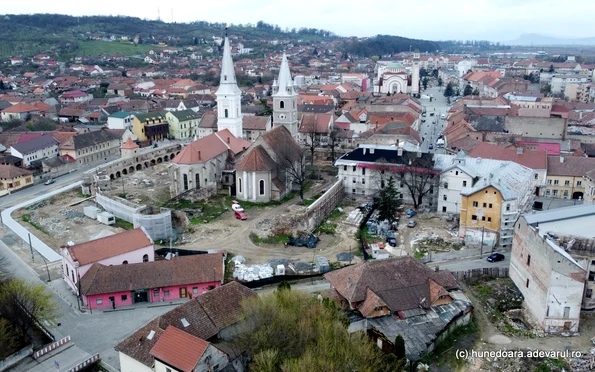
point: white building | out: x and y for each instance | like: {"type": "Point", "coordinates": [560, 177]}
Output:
{"type": "Point", "coordinates": [229, 96]}
{"type": "Point", "coordinates": [120, 120]}
{"type": "Point", "coordinates": [553, 265]}
{"type": "Point", "coordinates": [36, 149]}
{"type": "Point", "coordinates": [393, 77]}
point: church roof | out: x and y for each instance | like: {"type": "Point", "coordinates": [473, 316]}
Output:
{"type": "Point", "coordinates": [275, 144]}
{"type": "Point", "coordinates": [227, 83]}
{"type": "Point", "coordinates": [211, 146]}
{"type": "Point", "coordinates": [284, 79]}
{"type": "Point", "coordinates": [256, 160]}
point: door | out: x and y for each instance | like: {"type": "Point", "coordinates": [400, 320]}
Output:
{"type": "Point", "coordinates": [182, 292]}
{"type": "Point", "coordinates": [567, 326]}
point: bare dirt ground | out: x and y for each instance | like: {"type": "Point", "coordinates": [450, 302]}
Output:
{"type": "Point", "coordinates": [149, 186]}
{"type": "Point", "coordinates": [428, 225]}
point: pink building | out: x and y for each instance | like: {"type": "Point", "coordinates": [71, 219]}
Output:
{"type": "Point", "coordinates": [75, 96]}
{"type": "Point", "coordinates": [131, 246]}
{"type": "Point", "coordinates": [182, 277]}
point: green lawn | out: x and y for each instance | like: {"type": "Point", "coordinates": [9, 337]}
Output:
{"type": "Point", "coordinates": [99, 47]}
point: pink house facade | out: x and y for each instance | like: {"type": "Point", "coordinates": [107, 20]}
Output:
{"type": "Point", "coordinates": [128, 247]}
{"type": "Point", "coordinates": [158, 281]}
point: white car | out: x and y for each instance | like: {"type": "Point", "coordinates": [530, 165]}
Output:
{"type": "Point", "coordinates": [237, 208]}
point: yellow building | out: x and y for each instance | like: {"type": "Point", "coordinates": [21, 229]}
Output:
{"type": "Point", "coordinates": [151, 127]}
{"type": "Point", "coordinates": [566, 176]}
{"type": "Point", "coordinates": [13, 178]}
{"type": "Point", "coordinates": [481, 209]}
{"type": "Point", "coordinates": [182, 124]}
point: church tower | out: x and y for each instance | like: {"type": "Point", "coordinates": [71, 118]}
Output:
{"type": "Point", "coordinates": [229, 96]}
{"type": "Point", "coordinates": [415, 75]}
{"type": "Point", "coordinates": [285, 100]}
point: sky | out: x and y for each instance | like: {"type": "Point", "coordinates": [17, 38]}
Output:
{"type": "Point", "coordinates": [495, 20]}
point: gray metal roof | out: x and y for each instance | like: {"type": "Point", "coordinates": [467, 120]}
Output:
{"type": "Point", "coordinates": [35, 144]}
{"type": "Point", "coordinates": [558, 214]}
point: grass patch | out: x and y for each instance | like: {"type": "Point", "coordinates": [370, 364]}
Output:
{"type": "Point", "coordinates": [311, 200]}
{"type": "Point", "coordinates": [326, 228]}
{"type": "Point", "coordinates": [123, 224]}
{"type": "Point", "coordinates": [274, 239]}
{"type": "Point", "coordinates": [205, 210]}
{"type": "Point", "coordinates": [551, 365]}
{"type": "Point", "coordinates": [462, 337]}
{"type": "Point", "coordinates": [100, 47]}
{"type": "Point", "coordinates": [81, 195]}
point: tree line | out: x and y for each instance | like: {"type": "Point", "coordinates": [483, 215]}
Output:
{"type": "Point", "coordinates": [387, 44]}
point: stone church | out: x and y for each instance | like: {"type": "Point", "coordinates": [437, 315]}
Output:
{"type": "Point", "coordinates": [396, 78]}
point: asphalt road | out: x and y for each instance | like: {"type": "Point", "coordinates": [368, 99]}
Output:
{"type": "Point", "coordinates": [473, 263]}
{"type": "Point", "coordinates": [428, 130]}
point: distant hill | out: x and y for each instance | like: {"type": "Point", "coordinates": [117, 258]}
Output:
{"type": "Point", "coordinates": [537, 39]}
{"type": "Point", "coordinates": [386, 44]}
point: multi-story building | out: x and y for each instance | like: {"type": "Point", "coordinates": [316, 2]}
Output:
{"type": "Point", "coordinates": [553, 265]}
{"type": "Point", "coordinates": [93, 147]}
{"type": "Point", "coordinates": [566, 176]}
{"type": "Point", "coordinates": [366, 170]}
{"type": "Point", "coordinates": [120, 120]}
{"type": "Point", "coordinates": [182, 124]}
{"type": "Point", "coordinates": [36, 149]}
{"type": "Point", "coordinates": [151, 127]}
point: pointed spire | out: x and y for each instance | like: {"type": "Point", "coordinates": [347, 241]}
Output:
{"type": "Point", "coordinates": [227, 82]}
{"type": "Point", "coordinates": [284, 77]}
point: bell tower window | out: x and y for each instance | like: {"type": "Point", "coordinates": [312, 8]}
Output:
{"type": "Point", "coordinates": [282, 104]}
{"type": "Point", "coordinates": [226, 113]}
{"type": "Point", "coordinates": [225, 77]}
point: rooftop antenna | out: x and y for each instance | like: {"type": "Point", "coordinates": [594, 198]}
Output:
{"type": "Point", "coordinates": [172, 15]}
{"type": "Point", "coordinates": [158, 14]}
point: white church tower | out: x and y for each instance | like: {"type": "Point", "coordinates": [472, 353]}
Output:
{"type": "Point", "coordinates": [229, 96]}
{"type": "Point", "coordinates": [285, 100]}
{"type": "Point", "coordinates": [415, 74]}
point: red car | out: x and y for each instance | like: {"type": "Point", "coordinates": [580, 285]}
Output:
{"type": "Point", "coordinates": [240, 215]}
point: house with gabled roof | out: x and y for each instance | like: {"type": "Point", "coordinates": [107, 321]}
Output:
{"type": "Point", "coordinates": [400, 296]}
{"type": "Point", "coordinates": [214, 317]}
{"type": "Point", "coordinates": [13, 178]}
{"type": "Point", "coordinates": [35, 149]}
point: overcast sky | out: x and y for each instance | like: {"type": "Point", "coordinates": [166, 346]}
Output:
{"type": "Point", "coordinates": [498, 20]}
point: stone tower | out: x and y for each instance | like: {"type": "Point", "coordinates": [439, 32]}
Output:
{"type": "Point", "coordinates": [415, 75]}
{"type": "Point", "coordinates": [229, 96]}
{"type": "Point", "coordinates": [285, 100]}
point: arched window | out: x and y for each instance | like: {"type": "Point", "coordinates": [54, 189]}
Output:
{"type": "Point", "coordinates": [226, 113]}
{"type": "Point", "coordinates": [282, 104]}
{"type": "Point", "coordinates": [185, 182]}
{"type": "Point", "coordinates": [261, 187]}
{"type": "Point", "coordinates": [146, 258]}
{"type": "Point", "coordinates": [125, 262]}
{"type": "Point", "coordinates": [239, 185]}
{"type": "Point", "coordinates": [197, 178]}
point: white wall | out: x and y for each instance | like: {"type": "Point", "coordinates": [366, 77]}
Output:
{"type": "Point", "coordinates": [127, 364]}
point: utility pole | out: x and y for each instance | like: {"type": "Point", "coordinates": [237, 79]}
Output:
{"type": "Point", "coordinates": [46, 268]}
{"type": "Point", "coordinates": [481, 248]}
{"type": "Point", "coordinates": [31, 248]}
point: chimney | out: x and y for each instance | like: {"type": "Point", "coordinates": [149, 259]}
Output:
{"type": "Point", "coordinates": [561, 159]}
{"type": "Point", "coordinates": [400, 151]}
{"type": "Point", "coordinates": [519, 150]}
{"type": "Point", "coordinates": [199, 155]}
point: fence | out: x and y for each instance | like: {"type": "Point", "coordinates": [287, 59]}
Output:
{"type": "Point", "coordinates": [14, 359]}
{"type": "Point", "coordinates": [498, 272]}
{"type": "Point", "coordinates": [324, 205]}
{"type": "Point", "coordinates": [453, 255]}
{"type": "Point", "coordinates": [85, 364]}
{"type": "Point", "coordinates": [52, 346]}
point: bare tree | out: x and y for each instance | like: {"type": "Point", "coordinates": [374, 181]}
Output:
{"type": "Point", "coordinates": [311, 139]}
{"type": "Point", "coordinates": [418, 176]}
{"type": "Point", "coordinates": [293, 163]}
{"type": "Point", "coordinates": [333, 141]}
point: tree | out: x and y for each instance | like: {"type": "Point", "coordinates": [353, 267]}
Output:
{"type": "Point", "coordinates": [546, 89]}
{"type": "Point", "coordinates": [468, 90]}
{"type": "Point", "coordinates": [551, 68]}
{"type": "Point", "coordinates": [418, 176]}
{"type": "Point", "coordinates": [24, 303]}
{"type": "Point", "coordinates": [293, 332]}
{"type": "Point", "coordinates": [424, 83]}
{"type": "Point", "coordinates": [315, 52]}
{"type": "Point", "coordinates": [399, 347]}
{"type": "Point", "coordinates": [389, 200]}
{"type": "Point", "coordinates": [475, 92]}
{"type": "Point", "coordinates": [284, 286]}
{"type": "Point", "coordinates": [293, 164]}
{"type": "Point", "coordinates": [440, 82]}
{"type": "Point", "coordinates": [333, 141]}
{"type": "Point", "coordinates": [449, 90]}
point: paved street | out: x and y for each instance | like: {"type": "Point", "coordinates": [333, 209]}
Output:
{"type": "Point", "coordinates": [473, 263]}
{"type": "Point", "coordinates": [428, 130]}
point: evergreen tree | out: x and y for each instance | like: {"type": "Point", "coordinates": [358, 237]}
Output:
{"type": "Point", "coordinates": [468, 90]}
{"type": "Point", "coordinates": [389, 201]}
{"type": "Point", "coordinates": [449, 90]}
{"type": "Point", "coordinates": [475, 92]}
{"type": "Point", "coordinates": [440, 82]}
{"type": "Point", "coordinates": [424, 83]}
{"type": "Point", "coordinates": [399, 347]}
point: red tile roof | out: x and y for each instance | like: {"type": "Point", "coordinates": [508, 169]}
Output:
{"type": "Point", "coordinates": [529, 158]}
{"type": "Point", "coordinates": [20, 108]}
{"type": "Point", "coordinates": [110, 246]}
{"type": "Point", "coordinates": [179, 349]}
{"type": "Point", "coordinates": [211, 146]}
{"type": "Point", "coordinates": [256, 160]}
{"type": "Point", "coordinates": [9, 171]}
{"type": "Point", "coordinates": [129, 145]}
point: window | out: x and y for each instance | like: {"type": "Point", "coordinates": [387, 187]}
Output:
{"type": "Point", "coordinates": [549, 182]}
{"type": "Point", "coordinates": [475, 204]}
{"type": "Point", "coordinates": [197, 179]}
{"type": "Point", "coordinates": [474, 217]}
{"type": "Point", "coordinates": [592, 276]}
{"type": "Point", "coordinates": [185, 177]}
{"type": "Point", "coordinates": [536, 176]}
{"type": "Point", "coordinates": [529, 260]}
{"type": "Point", "coordinates": [579, 183]}
{"type": "Point", "coordinates": [547, 311]}
{"type": "Point", "coordinates": [169, 369]}
{"type": "Point", "coordinates": [156, 293]}
{"type": "Point", "coordinates": [483, 218]}
{"type": "Point", "coordinates": [194, 290]}
{"type": "Point", "coordinates": [507, 207]}
{"type": "Point", "coordinates": [124, 262]}
{"type": "Point", "coordinates": [261, 187]}
{"type": "Point", "coordinates": [527, 284]}
{"type": "Point", "coordinates": [353, 191]}
{"type": "Point", "coordinates": [166, 293]}
{"type": "Point", "coordinates": [566, 312]}
{"type": "Point", "coordinates": [556, 182]}
{"type": "Point", "coordinates": [444, 198]}
{"type": "Point", "coordinates": [226, 113]}
{"type": "Point", "coordinates": [547, 192]}
{"type": "Point", "coordinates": [565, 193]}
{"type": "Point", "coordinates": [354, 168]}
{"type": "Point", "coordinates": [345, 168]}
{"type": "Point", "coordinates": [555, 193]}
{"type": "Point", "coordinates": [240, 185]}
{"type": "Point", "coordinates": [363, 181]}
{"type": "Point", "coordinates": [456, 173]}
{"type": "Point", "coordinates": [443, 209]}
{"type": "Point", "coordinates": [99, 301]}
{"type": "Point", "coordinates": [282, 104]}
{"type": "Point", "coordinates": [353, 180]}
{"type": "Point", "coordinates": [146, 258]}
{"type": "Point", "coordinates": [566, 183]}
{"type": "Point", "coordinates": [464, 183]}
{"type": "Point", "coordinates": [363, 171]}
{"type": "Point", "coordinates": [589, 293]}
{"type": "Point", "coordinates": [485, 205]}
{"type": "Point", "coordinates": [401, 196]}
{"type": "Point", "coordinates": [124, 298]}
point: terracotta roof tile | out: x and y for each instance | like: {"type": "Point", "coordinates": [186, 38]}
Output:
{"type": "Point", "coordinates": [530, 159]}
{"type": "Point", "coordinates": [574, 166]}
{"type": "Point", "coordinates": [110, 246]}
{"type": "Point", "coordinates": [256, 160]}
{"type": "Point", "coordinates": [9, 171]}
{"type": "Point", "coordinates": [211, 146]}
{"type": "Point", "coordinates": [255, 122]}
{"type": "Point", "coordinates": [179, 349]}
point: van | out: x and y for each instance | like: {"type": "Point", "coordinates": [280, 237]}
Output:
{"type": "Point", "coordinates": [443, 116]}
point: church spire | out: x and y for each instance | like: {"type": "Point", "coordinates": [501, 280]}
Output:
{"type": "Point", "coordinates": [284, 78]}
{"type": "Point", "coordinates": [227, 83]}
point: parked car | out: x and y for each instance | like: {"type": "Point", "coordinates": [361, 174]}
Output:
{"type": "Point", "coordinates": [431, 147]}
{"type": "Point", "coordinates": [410, 213]}
{"type": "Point", "coordinates": [495, 257]}
{"type": "Point", "coordinates": [411, 223]}
{"type": "Point", "coordinates": [49, 182]}
{"type": "Point", "coordinates": [431, 114]}
{"type": "Point", "coordinates": [237, 208]}
{"type": "Point", "coordinates": [391, 239]}
{"type": "Point", "coordinates": [240, 215]}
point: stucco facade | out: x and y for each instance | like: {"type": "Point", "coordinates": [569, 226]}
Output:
{"type": "Point", "coordinates": [565, 187]}
{"type": "Point", "coordinates": [10, 183]}
{"type": "Point", "coordinates": [185, 177]}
